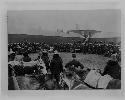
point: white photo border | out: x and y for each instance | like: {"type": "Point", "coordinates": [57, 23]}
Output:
{"type": "Point", "coordinates": [76, 5]}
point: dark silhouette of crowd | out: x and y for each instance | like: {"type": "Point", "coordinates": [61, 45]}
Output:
{"type": "Point", "coordinates": [27, 47]}
{"type": "Point", "coordinates": [97, 47]}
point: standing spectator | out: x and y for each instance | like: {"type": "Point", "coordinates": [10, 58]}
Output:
{"type": "Point", "coordinates": [56, 66]}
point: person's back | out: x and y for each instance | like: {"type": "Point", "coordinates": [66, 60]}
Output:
{"type": "Point", "coordinates": [113, 68]}
{"type": "Point", "coordinates": [11, 57]}
{"type": "Point", "coordinates": [56, 65]}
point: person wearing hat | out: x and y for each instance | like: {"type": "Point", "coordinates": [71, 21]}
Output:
{"type": "Point", "coordinates": [56, 66]}
{"type": "Point", "coordinates": [11, 55]}
{"type": "Point", "coordinates": [26, 57]}
{"type": "Point", "coordinates": [74, 64]}
{"type": "Point", "coordinates": [113, 68]}
{"type": "Point", "coordinates": [45, 58]}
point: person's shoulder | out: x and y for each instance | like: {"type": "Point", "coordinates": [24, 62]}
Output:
{"type": "Point", "coordinates": [75, 60]}
{"type": "Point", "coordinates": [110, 62]}
{"type": "Point", "coordinates": [71, 61]}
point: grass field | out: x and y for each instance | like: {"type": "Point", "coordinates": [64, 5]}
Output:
{"type": "Point", "coordinates": [88, 60]}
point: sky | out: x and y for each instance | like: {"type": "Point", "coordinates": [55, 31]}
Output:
{"type": "Point", "coordinates": [43, 22]}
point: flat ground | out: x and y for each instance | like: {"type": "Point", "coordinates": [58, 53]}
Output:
{"type": "Point", "coordinates": [88, 60]}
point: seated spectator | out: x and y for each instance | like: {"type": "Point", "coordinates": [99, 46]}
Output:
{"type": "Point", "coordinates": [56, 66]}
{"type": "Point", "coordinates": [74, 63]}
{"type": "Point", "coordinates": [113, 68]}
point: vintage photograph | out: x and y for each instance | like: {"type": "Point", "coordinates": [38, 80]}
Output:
{"type": "Point", "coordinates": [64, 49]}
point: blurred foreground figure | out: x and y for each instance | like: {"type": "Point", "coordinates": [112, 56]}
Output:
{"type": "Point", "coordinates": [113, 68]}
{"type": "Point", "coordinates": [73, 82]}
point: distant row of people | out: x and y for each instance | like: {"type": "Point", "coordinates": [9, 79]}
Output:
{"type": "Point", "coordinates": [100, 48]}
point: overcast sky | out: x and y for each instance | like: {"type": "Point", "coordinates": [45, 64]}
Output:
{"type": "Point", "coordinates": [47, 22]}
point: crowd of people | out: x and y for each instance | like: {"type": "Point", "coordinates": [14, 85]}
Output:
{"type": "Point", "coordinates": [28, 47]}
{"type": "Point", "coordinates": [99, 48]}
{"type": "Point", "coordinates": [54, 67]}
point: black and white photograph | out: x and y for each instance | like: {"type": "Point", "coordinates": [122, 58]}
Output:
{"type": "Point", "coordinates": [64, 49]}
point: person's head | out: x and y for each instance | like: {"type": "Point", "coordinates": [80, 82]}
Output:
{"type": "Point", "coordinates": [44, 54]}
{"type": "Point", "coordinates": [113, 57]}
{"type": "Point", "coordinates": [11, 57]}
{"type": "Point", "coordinates": [40, 53]}
{"type": "Point", "coordinates": [73, 56]}
{"type": "Point", "coordinates": [56, 54]}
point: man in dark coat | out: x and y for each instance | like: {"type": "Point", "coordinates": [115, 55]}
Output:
{"type": "Point", "coordinates": [56, 66]}
{"type": "Point", "coordinates": [113, 68]}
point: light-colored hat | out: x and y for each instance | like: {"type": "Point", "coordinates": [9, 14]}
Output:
{"type": "Point", "coordinates": [56, 52]}
{"type": "Point", "coordinates": [114, 57]}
